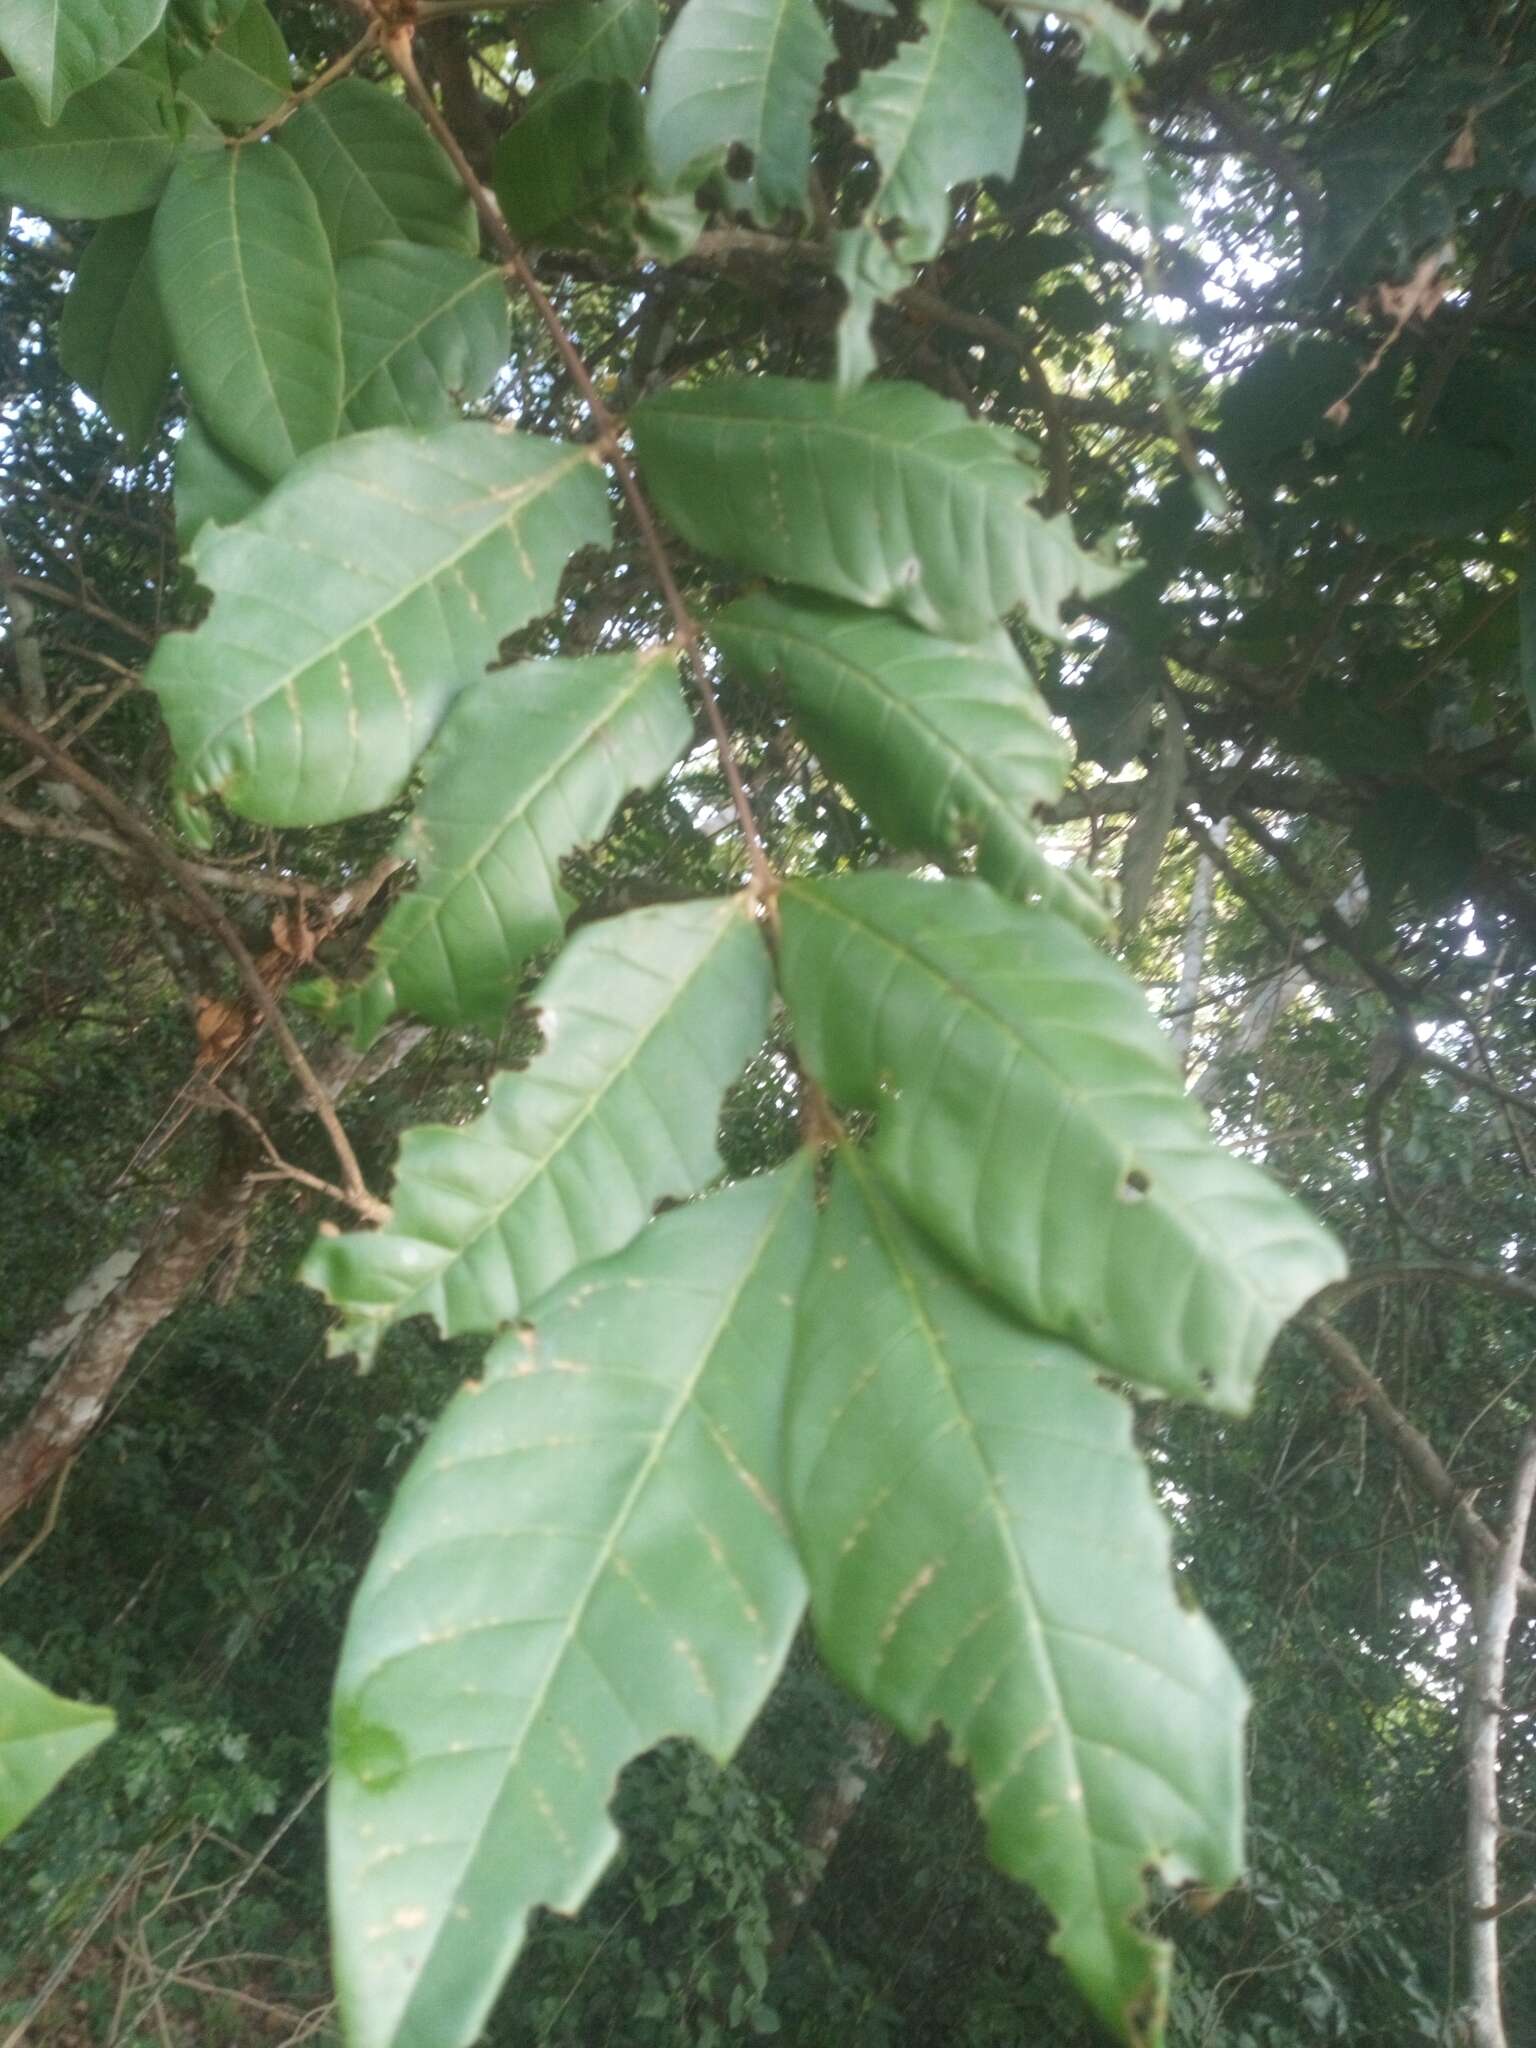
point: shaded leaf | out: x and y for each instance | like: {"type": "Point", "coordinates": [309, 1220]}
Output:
{"type": "Point", "coordinates": [647, 1019]}
{"type": "Point", "coordinates": [354, 604]}
{"type": "Point", "coordinates": [530, 764]}
{"type": "Point", "coordinates": [423, 331]}
{"type": "Point", "coordinates": [110, 152]}
{"type": "Point", "coordinates": [210, 485]}
{"type": "Point", "coordinates": [985, 1553]}
{"type": "Point", "coordinates": [888, 495]}
{"type": "Point", "coordinates": [376, 173]}
{"type": "Point", "coordinates": [946, 744]}
{"type": "Point", "coordinates": [245, 74]}
{"type": "Point", "coordinates": [112, 339]}
{"type": "Point", "coordinates": [740, 76]}
{"type": "Point", "coordinates": [577, 154]}
{"type": "Point", "coordinates": [57, 47]}
{"type": "Point", "coordinates": [41, 1737]}
{"type": "Point", "coordinates": [250, 299]}
{"type": "Point", "coordinates": [1033, 1122]}
{"type": "Point", "coordinates": [586, 1557]}
{"type": "Point", "coordinates": [1147, 840]}
{"type": "Point", "coordinates": [593, 39]}
{"type": "Point", "coordinates": [946, 109]}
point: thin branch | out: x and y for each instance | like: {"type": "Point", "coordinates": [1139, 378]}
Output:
{"type": "Point", "coordinates": [1411, 1444]}
{"type": "Point", "coordinates": [1455, 1272]}
{"type": "Point", "coordinates": [396, 43]}
{"type": "Point", "coordinates": [1493, 1617]}
{"type": "Point", "coordinates": [296, 99]}
{"type": "Point", "coordinates": [132, 828]}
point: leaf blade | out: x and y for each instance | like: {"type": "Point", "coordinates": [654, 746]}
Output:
{"type": "Point", "coordinates": [110, 151]}
{"type": "Point", "coordinates": [648, 1019]}
{"type": "Point", "coordinates": [658, 1378]}
{"type": "Point", "coordinates": [959, 1596]}
{"type": "Point", "coordinates": [424, 330]}
{"type": "Point", "coordinates": [745, 73]}
{"type": "Point", "coordinates": [417, 553]}
{"type": "Point", "coordinates": [249, 294]}
{"type": "Point", "coordinates": [58, 47]}
{"type": "Point", "coordinates": [376, 173]}
{"type": "Point", "coordinates": [41, 1737]}
{"type": "Point", "coordinates": [530, 764]}
{"type": "Point", "coordinates": [946, 744]}
{"type": "Point", "coordinates": [1034, 1124]}
{"type": "Point", "coordinates": [112, 339]}
{"type": "Point", "coordinates": [888, 496]}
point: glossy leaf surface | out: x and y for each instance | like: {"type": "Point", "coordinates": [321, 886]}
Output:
{"type": "Point", "coordinates": [424, 330]}
{"type": "Point", "coordinates": [250, 299]}
{"type": "Point", "coordinates": [376, 173]}
{"type": "Point", "coordinates": [889, 496]}
{"type": "Point", "coordinates": [946, 744]}
{"type": "Point", "coordinates": [742, 76]}
{"type": "Point", "coordinates": [41, 1737]}
{"type": "Point", "coordinates": [647, 1019]}
{"type": "Point", "coordinates": [1033, 1122]}
{"type": "Point", "coordinates": [587, 1556]}
{"type": "Point", "coordinates": [530, 764]}
{"type": "Point", "coordinates": [986, 1555]}
{"type": "Point", "coordinates": [56, 47]}
{"type": "Point", "coordinates": [113, 339]}
{"type": "Point", "coordinates": [110, 151]}
{"type": "Point", "coordinates": [351, 608]}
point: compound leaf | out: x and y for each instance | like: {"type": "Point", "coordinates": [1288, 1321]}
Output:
{"type": "Point", "coordinates": [647, 1019]}
{"type": "Point", "coordinates": [350, 609]}
{"type": "Point", "coordinates": [56, 47]}
{"type": "Point", "coordinates": [110, 151]}
{"type": "Point", "coordinates": [250, 298]}
{"type": "Point", "coordinates": [1033, 1122]}
{"type": "Point", "coordinates": [376, 173]}
{"type": "Point", "coordinates": [530, 764]}
{"type": "Point", "coordinates": [946, 744]}
{"type": "Point", "coordinates": [888, 495]}
{"type": "Point", "coordinates": [113, 339]}
{"type": "Point", "coordinates": [740, 76]}
{"type": "Point", "coordinates": [423, 330]}
{"type": "Point", "coordinates": [985, 1553]}
{"type": "Point", "coordinates": [41, 1737]}
{"type": "Point", "coordinates": [587, 1556]}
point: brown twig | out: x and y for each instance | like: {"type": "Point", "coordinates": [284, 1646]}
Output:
{"type": "Point", "coordinates": [296, 99]}
{"type": "Point", "coordinates": [133, 829]}
{"type": "Point", "coordinates": [396, 44]}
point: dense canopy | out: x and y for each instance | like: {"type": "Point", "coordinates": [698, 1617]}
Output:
{"type": "Point", "coordinates": [626, 629]}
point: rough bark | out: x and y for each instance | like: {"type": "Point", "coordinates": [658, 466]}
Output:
{"type": "Point", "coordinates": [179, 1251]}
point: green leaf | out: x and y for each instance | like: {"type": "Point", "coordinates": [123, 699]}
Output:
{"type": "Point", "coordinates": [57, 47]}
{"type": "Point", "coordinates": [647, 1019]}
{"type": "Point", "coordinates": [210, 485]}
{"type": "Point", "coordinates": [112, 339]}
{"type": "Point", "coordinates": [351, 608]}
{"type": "Point", "coordinates": [1433, 485]}
{"type": "Point", "coordinates": [593, 39]}
{"type": "Point", "coordinates": [947, 109]}
{"type": "Point", "coordinates": [376, 173]}
{"type": "Point", "coordinates": [1033, 1122]}
{"type": "Point", "coordinates": [245, 74]}
{"type": "Point", "coordinates": [110, 152]}
{"type": "Point", "coordinates": [41, 1737]}
{"type": "Point", "coordinates": [586, 1557]}
{"type": "Point", "coordinates": [576, 154]}
{"type": "Point", "coordinates": [946, 744]}
{"type": "Point", "coordinates": [250, 298]}
{"type": "Point", "coordinates": [530, 764]}
{"type": "Point", "coordinates": [985, 1554]}
{"type": "Point", "coordinates": [888, 495]}
{"type": "Point", "coordinates": [740, 76]}
{"type": "Point", "coordinates": [423, 331]}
